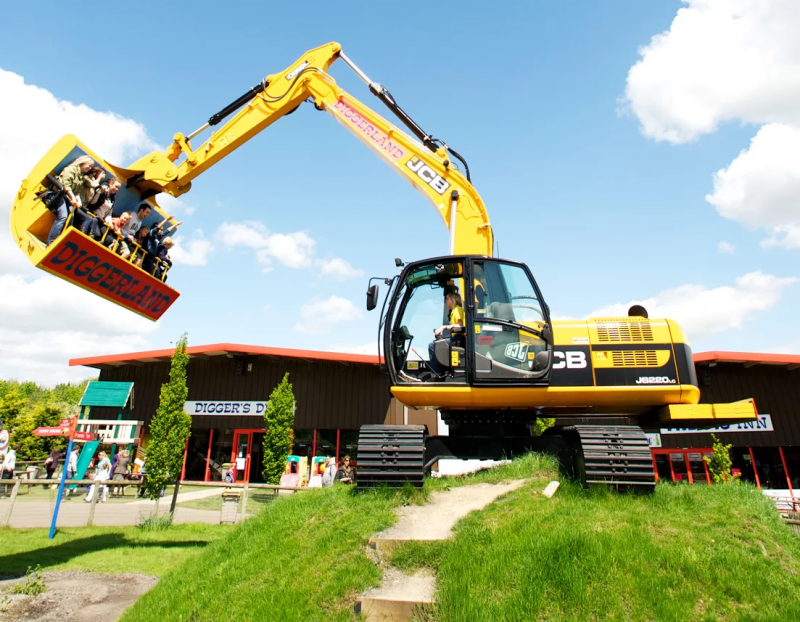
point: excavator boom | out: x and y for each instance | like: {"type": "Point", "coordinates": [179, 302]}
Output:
{"type": "Point", "coordinates": [427, 166]}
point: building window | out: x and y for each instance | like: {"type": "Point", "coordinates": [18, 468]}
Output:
{"type": "Point", "coordinates": [303, 443]}
{"type": "Point", "coordinates": [326, 443]}
{"type": "Point", "coordinates": [196, 456]}
{"type": "Point", "coordinates": [221, 448]}
{"type": "Point", "coordinates": [348, 445]}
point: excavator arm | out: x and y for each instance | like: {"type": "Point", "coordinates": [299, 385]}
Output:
{"type": "Point", "coordinates": [425, 163]}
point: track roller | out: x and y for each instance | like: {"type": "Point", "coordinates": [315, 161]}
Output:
{"type": "Point", "coordinates": [391, 455]}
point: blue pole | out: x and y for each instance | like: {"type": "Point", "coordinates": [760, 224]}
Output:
{"type": "Point", "coordinates": [61, 488]}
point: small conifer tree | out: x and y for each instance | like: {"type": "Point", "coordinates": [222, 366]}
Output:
{"type": "Point", "coordinates": [279, 437]}
{"type": "Point", "coordinates": [719, 464]}
{"type": "Point", "coordinates": [170, 427]}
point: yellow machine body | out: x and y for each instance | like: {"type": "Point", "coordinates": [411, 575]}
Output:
{"type": "Point", "coordinates": [616, 365]}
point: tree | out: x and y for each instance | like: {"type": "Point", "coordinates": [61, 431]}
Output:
{"type": "Point", "coordinates": [279, 437]}
{"type": "Point", "coordinates": [170, 427]}
{"type": "Point", "coordinates": [719, 464]}
{"type": "Point", "coordinates": [541, 424]}
{"type": "Point", "coordinates": [32, 447]}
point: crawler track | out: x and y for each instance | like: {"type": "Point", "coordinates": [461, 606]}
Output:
{"type": "Point", "coordinates": [615, 455]}
{"type": "Point", "coordinates": [391, 455]}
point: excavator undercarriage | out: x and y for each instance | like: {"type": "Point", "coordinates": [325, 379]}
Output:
{"type": "Point", "coordinates": [619, 455]}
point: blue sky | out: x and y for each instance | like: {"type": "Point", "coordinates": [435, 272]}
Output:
{"type": "Point", "coordinates": [533, 95]}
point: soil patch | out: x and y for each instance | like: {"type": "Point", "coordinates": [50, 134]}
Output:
{"type": "Point", "coordinates": [75, 595]}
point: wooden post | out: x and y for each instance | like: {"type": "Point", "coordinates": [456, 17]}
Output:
{"type": "Point", "coordinates": [14, 491]}
{"type": "Point", "coordinates": [93, 504]}
{"type": "Point", "coordinates": [244, 501]}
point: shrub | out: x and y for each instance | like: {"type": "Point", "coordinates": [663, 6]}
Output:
{"type": "Point", "coordinates": [719, 464]}
{"type": "Point", "coordinates": [170, 427]}
{"type": "Point", "coordinates": [279, 437]}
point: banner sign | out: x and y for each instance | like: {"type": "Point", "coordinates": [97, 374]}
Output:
{"type": "Point", "coordinates": [654, 440]}
{"type": "Point", "coordinates": [51, 431]}
{"type": "Point", "coordinates": [764, 424]}
{"type": "Point", "coordinates": [231, 408]}
{"type": "Point", "coordinates": [85, 263]}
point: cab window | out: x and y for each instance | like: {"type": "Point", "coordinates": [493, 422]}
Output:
{"type": "Point", "coordinates": [421, 309]}
{"type": "Point", "coordinates": [508, 321]}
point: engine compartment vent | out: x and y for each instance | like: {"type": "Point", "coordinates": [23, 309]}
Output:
{"type": "Point", "coordinates": [624, 332]}
{"type": "Point", "coordinates": [634, 358]}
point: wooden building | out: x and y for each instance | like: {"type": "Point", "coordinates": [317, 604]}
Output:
{"type": "Point", "coordinates": [336, 393]}
{"type": "Point", "coordinates": [229, 385]}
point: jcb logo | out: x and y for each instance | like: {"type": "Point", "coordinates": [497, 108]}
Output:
{"type": "Point", "coordinates": [569, 360]}
{"type": "Point", "coordinates": [428, 175]}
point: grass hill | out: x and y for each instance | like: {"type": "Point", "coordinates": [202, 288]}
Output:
{"type": "Point", "coordinates": [683, 554]}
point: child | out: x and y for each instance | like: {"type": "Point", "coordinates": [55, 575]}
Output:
{"type": "Point", "coordinates": [116, 226]}
{"type": "Point", "coordinates": [163, 254]}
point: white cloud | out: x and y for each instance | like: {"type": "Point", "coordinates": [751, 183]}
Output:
{"type": "Point", "coordinates": [293, 250]}
{"type": "Point", "coordinates": [731, 60]}
{"type": "Point", "coordinates": [33, 119]}
{"type": "Point", "coordinates": [367, 348]}
{"type": "Point", "coordinates": [338, 269]}
{"type": "Point", "coordinates": [46, 322]}
{"type": "Point", "coordinates": [726, 248]}
{"type": "Point", "coordinates": [194, 252]}
{"type": "Point", "coordinates": [720, 60]}
{"type": "Point", "coordinates": [173, 206]}
{"type": "Point", "coordinates": [320, 316]}
{"type": "Point", "coordinates": [701, 311]}
{"type": "Point", "coordinates": [761, 187]}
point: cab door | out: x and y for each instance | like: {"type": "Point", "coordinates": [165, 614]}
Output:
{"type": "Point", "coordinates": [508, 325]}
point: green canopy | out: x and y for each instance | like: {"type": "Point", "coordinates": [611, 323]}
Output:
{"type": "Point", "coordinates": [101, 393]}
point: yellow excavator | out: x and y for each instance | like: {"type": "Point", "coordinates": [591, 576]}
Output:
{"type": "Point", "coordinates": [492, 375]}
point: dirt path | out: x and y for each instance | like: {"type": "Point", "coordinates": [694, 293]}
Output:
{"type": "Point", "coordinates": [400, 595]}
{"type": "Point", "coordinates": [77, 596]}
{"type": "Point", "coordinates": [435, 519]}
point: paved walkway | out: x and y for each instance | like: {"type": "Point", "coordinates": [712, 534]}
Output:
{"type": "Point", "coordinates": [187, 496]}
{"type": "Point", "coordinates": [39, 514]}
{"type": "Point", "coordinates": [74, 513]}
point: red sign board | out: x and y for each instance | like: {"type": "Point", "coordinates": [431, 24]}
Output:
{"type": "Point", "coordinates": [51, 431]}
{"type": "Point", "coordinates": [83, 436]}
{"type": "Point", "coordinates": [90, 265]}
{"type": "Point", "coordinates": [65, 422]}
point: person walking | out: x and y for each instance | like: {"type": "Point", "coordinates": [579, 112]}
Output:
{"type": "Point", "coordinates": [51, 464]}
{"type": "Point", "coordinates": [120, 471]}
{"type": "Point", "coordinates": [102, 473]}
{"type": "Point", "coordinates": [9, 464]}
{"type": "Point", "coordinates": [72, 468]}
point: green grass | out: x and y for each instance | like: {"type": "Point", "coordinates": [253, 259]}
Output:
{"type": "Point", "coordinates": [105, 549]}
{"type": "Point", "coordinates": [255, 500]}
{"type": "Point", "coordinates": [682, 554]}
{"type": "Point", "coordinates": [303, 557]}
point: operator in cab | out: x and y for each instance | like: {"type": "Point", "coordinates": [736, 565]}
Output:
{"type": "Point", "coordinates": [457, 318]}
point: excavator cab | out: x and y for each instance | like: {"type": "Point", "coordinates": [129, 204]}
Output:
{"type": "Point", "coordinates": [506, 336]}
{"type": "Point", "coordinates": [80, 259]}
